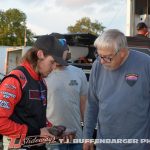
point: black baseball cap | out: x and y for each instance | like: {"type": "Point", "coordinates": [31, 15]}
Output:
{"type": "Point", "coordinates": [51, 45]}
{"type": "Point", "coordinates": [141, 25]}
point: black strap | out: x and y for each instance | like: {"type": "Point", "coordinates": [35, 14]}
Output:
{"type": "Point", "coordinates": [14, 76]}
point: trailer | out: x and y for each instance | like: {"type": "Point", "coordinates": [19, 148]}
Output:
{"type": "Point", "coordinates": [10, 58]}
{"type": "Point", "coordinates": [137, 11]}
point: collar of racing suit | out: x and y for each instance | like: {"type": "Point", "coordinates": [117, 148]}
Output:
{"type": "Point", "coordinates": [31, 71]}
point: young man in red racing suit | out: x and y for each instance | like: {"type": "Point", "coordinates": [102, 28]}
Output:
{"type": "Point", "coordinates": [23, 93]}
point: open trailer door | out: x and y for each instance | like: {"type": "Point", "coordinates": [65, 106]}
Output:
{"type": "Point", "coordinates": [13, 58]}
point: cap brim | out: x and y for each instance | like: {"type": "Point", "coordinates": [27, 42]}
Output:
{"type": "Point", "coordinates": [60, 61]}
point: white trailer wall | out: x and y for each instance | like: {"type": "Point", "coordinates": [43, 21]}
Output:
{"type": "Point", "coordinates": [4, 56]}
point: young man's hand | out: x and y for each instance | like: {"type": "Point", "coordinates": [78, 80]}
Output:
{"type": "Point", "coordinates": [45, 132]}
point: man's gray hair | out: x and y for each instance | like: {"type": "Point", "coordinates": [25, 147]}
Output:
{"type": "Point", "coordinates": [111, 38]}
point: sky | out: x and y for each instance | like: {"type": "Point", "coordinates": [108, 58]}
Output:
{"type": "Point", "coordinates": [47, 16]}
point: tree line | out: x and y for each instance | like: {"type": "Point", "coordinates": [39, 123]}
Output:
{"type": "Point", "coordinates": [14, 32]}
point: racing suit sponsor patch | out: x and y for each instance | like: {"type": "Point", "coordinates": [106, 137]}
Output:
{"type": "Point", "coordinates": [10, 86]}
{"type": "Point", "coordinates": [7, 94]}
{"type": "Point", "coordinates": [4, 104]}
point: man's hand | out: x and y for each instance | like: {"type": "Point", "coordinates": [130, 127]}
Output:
{"type": "Point", "coordinates": [45, 132]}
{"type": "Point", "coordinates": [88, 146]}
{"type": "Point", "coordinates": [68, 137]}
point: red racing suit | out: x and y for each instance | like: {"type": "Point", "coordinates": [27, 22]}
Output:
{"type": "Point", "coordinates": [11, 97]}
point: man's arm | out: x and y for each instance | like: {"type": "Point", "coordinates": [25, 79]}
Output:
{"type": "Point", "coordinates": [83, 94]}
{"type": "Point", "coordinates": [83, 100]}
{"type": "Point", "coordinates": [91, 113]}
{"type": "Point", "coordinates": [10, 94]}
{"type": "Point", "coordinates": [92, 106]}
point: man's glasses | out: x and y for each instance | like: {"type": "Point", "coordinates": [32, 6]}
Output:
{"type": "Point", "coordinates": [108, 59]}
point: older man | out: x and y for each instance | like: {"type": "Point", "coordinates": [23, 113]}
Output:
{"type": "Point", "coordinates": [119, 95]}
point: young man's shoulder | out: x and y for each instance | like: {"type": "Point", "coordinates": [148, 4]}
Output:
{"type": "Point", "coordinates": [76, 70]}
{"type": "Point", "coordinates": [71, 67]}
{"type": "Point", "coordinates": [21, 76]}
